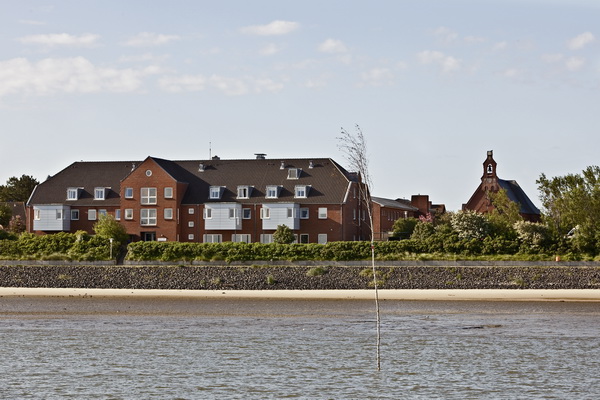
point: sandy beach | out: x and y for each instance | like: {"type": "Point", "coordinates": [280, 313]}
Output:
{"type": "Point", "coordinates": [384, 294]}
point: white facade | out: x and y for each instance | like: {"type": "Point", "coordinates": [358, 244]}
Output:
{"type": "Point", "coordinates": [222, 216]}
{"type": "Point", "coordinates": [52, 218]}
{"type": "Point", "coordinates": [275, 214]}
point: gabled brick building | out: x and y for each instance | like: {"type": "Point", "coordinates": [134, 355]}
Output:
{"type": "Point", "coordinates": [480, 200]}
{"type": "Point", "coordinates": [204, 201]}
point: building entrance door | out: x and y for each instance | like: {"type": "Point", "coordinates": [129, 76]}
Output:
{"type": "Point", "coordinates": [149, 236]}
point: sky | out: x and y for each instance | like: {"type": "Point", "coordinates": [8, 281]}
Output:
{"type": "Point", "coordinates": [432, 84]}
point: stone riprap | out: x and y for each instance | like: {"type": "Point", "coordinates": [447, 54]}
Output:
{"type": "Point", "coordinates": [298, 277]}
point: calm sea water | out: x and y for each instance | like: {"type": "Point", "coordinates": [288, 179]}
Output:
{"type": "Point", "coordinates": [92, 348]}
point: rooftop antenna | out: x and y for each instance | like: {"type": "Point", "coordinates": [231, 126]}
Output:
{"type": "Point", "coordinates": [209, 150]}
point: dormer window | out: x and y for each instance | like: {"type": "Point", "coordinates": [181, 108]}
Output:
{"type": "Point", "coordinates": [72, 194]}
{"type": "Point", "coordinates": [301, 191]}
{"type": "Point", "coordinates": [243, 192]}
{"type": "Point", "coordinates": [294, 173]}
{"type": "Point", "coordinates": [215, 192]}
{"type": "Point", "coordinates": [99, 193]}
{"type": "Point", "coordinates": [272, 191]}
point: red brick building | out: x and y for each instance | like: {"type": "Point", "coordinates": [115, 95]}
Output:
{"type": "Point", "coordinates": [204, 201]}
{"type": "Point", "coordinates": [480, 200]}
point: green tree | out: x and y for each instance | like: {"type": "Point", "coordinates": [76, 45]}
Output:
{"type": "Point", "coordinates": [18, 189]}
{"type": "Point", "coordinates": [404, 227]}
{"type": "Point", "coordinates": [108, 227]}
{"type": "Point", "coordinates": [16, 224]}
{"type": "Point", "coordinates": [283, 235]}
{"type": "Point", "coordinates": [5, 214]}
{"type": "Point", "coordinates": [571, 203]}
{"type": "Point", "coordinates": [470, 224]}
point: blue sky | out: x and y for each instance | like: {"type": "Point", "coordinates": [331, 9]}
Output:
{"type": "Point", "coordinates": [432, 84]}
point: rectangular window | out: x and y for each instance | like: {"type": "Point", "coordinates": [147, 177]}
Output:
{"type": "Point", "coordinates": [215, 192]}
{"type": "Point", "coordinates": [214, 238]}
{"type": "Point", "coordinates": [354, 214]}
{"type": "Point", "coordinates": [36, 214]}
{"type": "Point", "coordinates": [102, 212]}
{"type": "Point", "coordinates": [129, 213]}
{"type": "Point", "coordinates": [304, 238]}
{"type": "Point", "coordinates": [148, 216]}
{"type": "Point", "coordinates": [59, 214]}
{"type": "Point", "coordinates": [300, 191]}
{"type": "Point", "coordinates": [191, 236]}
{"type": "Point", "coordinates": [190, 224]}
{"type": "Point", "coordinates": [91, 215]}
{"type": "Point", "coordinates": [243, 192]}
{"type": "Point", "coordinates": [168, 193]}
{"type": "Point", "coordinates": [294, 173]}
{"type": "Point", "coordinates": [322, 212]}
{"type": "Point", "coordinates": [241, 238]}
{"type": "Point", "coordinates": [322, 238]}
{"type": "Point", "coordinates": [118, 214]}
{"type": "Point", "coordinates": [272, 192]}
{"type": "Point", "coordinates": [246, 213]}
{"type": "Point", "coordinates": [99, 193]}
{"type": "Point", "coordinates": [290, 213]}
{"type": "Point", "coordinates": [129, 193]}
{"type": "Point", "coordinates": [233, 213]}
{"type": "Point", "coordinates": [266, 238]}
{"type": "Point", "coordinates": [148, 196]}
{"type": "Point", "coordinates": [72, 193]}
{"type": "Point", "coordinates": [168, 213]}
{"type": "Point", "coordinates": [265, 213]}
{"type": "Point", "coordinates": [190, 210]}
{"type": "Point", "coordinates": [74, 215]}
{"type": "Point", "coordinates": [304, 213]}
{"type": "Point", "coordinates": [207, 213]}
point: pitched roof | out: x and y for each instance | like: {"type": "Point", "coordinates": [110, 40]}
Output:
{"type": "Point", "coordinates": [516, 194]}
{"type": "Point", "coordinates": [398, 204]}
{"type": "Point", "coordinates": [328, 181]}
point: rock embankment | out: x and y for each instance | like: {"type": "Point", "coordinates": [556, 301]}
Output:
{"type": "Point", "coordinates": [259, 277]}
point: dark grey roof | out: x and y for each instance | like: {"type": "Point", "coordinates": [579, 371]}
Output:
{"type": "Point", "coordinates": [328, 181]}
{"type": "Point", "coordinates": [398, 204]}
{"type": "Point", "coordinates": [516, 194]}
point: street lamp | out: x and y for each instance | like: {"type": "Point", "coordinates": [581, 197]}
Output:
{"type": "Point", "coordinates": [111, 242]}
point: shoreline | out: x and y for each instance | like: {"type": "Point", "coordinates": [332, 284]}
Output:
{"type": "Point", "coordinates": [580, 295]}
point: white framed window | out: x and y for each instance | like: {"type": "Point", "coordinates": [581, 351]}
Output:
{"type": "Point", "coordinates": [128, 193]}
{"type": "Point", "coordinates": [191, 236]}
{"type": "Point", "coordinates": [304, 213]}
{"type": "Point", "coordinates": [266, 238]}
{"type": "Point", "coordinates": [304, 238]}
{"type": "Point", "coordinates": [215, 192]}
{"type": "Point", "coordinates": [102, 212]}
{"type": "Point", "coordinates": [265, 213]}
{"type": "Point", "coordinates": [59, 214]}
{"type": "Point", "coordinates": [294, 173]}
{"type": "Point", "coordinates": [213, 238]}
{"type": "Point", "coordinates": [301, 191]}
{"type": "Point", "coordinates": [190, 210]}
{"type": "Point", "coordinates": [168, 213]}
{"type": "Point", "coordinates": [74, 215]}
{"type": "Point", "coordinates": [168, 193]}
{"type": "Point", "coordinates": [92, 214]}
{"type": "Point", "coordinates": [272, 192]}
{"type": "Point", "coordinates": [207, 213]}
{"type": "Point", "coordinates": [118, 214]}
{"type": "Point", "coordinates": [72, 194]}
{"type": "Point", "coordinates": [241, 238]}
{"type": "Point", "coordinates": [290, 213]}
{"type": "Point", "coordinates": [129, 213]}
{"type": "Point", "coordinates": [190, 224]}
{"type": "Point", "coordinates": [322, 212]}
{"type": "Point", "coordinates": [148, 216]}
{"type": "Point", "coordinates": [148, 196]}
{"type": "Point", "coordinates": [36, 214]}
{"type": "Point", "coordinates": [99, 193]}
{"type": "Point", "coordinates": [322, 239]}
{"type": "Point", "coordinates": [246, 213]}
{"type": "Point", "coordinates": [243, 192]}
{"type": "Point", "coordinates": [233, 213]}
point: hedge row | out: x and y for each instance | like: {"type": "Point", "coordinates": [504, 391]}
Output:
{"type": "Point", "coordinates": [58, 246]}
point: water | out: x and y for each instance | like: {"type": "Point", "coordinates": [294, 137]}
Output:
{"type": "Point", "coordinates": [92, 348]}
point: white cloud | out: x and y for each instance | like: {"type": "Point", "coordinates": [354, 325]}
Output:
{"type": "Point", "coordinates": [500, 46]}
{"type": "Point", "coordinates": [447, 63]}
{"type": "Point", "coordinates": [378, 77]}
{"type": "Point", "coordinates": [183, 83]}
{"type": "Point", "coordinates": [227, 85]}
{"type": "Point", "coordinates": [270, 49]}
{"type": "Point", "coordinates": [274, 28]}
{"type": "Point", "coordinates": [145, 39]}
{"type": "Point", "coordinates": [445, 34]}
{"type": "Point", "coordinates": [61, 39]}
{"type": "Point", "coordinates": [512, 73]}
{"type": "Point", "coordinates": [332, 46]}
{"type": "Point", "coordinates": [574, 63]}
{"type": "Point", "coordinates": [66, 75]}
{"type": "Point", "coordinates": [147, 57]}
{"type": "Point", "coordinates": [552, 58]}
{"type": "Point", "coordinates": [580, 41]}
